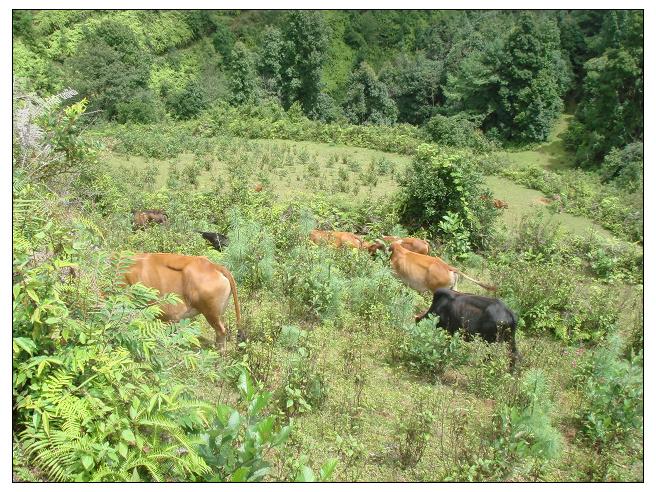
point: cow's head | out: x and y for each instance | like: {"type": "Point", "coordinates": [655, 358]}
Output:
{"type": "Point", "coordinates": [441, 299]}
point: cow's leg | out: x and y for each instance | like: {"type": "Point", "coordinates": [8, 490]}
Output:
{"type": "Point", "coordinates": [219, 331]}
{"type": "Point", "coordinates": [422, 315]}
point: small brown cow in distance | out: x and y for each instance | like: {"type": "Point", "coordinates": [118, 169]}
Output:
{"type": "Point", "coordinates": [142, 218]}
{"type": "Point", "coordinates": [336, 238]}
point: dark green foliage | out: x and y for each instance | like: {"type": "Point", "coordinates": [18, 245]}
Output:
{"type": "Point", "coordinates": [327, 110]}
{"type": "Point", "coordinates": [414, 85]}
{"type": "Point", "coordinates": [110, 67]}
{"type": "Point", "coordinates": [243, 78]}
{"type": "Point", "coordinates": [456, 131]}
{"type": "Point", "coordinates": [610, 114]}
{"type": "Point", "coordinates": [185, 103]}
{"type": "Point", "coordinates": [141, 108]}
{"type": "Point", "coordinates": [430, 350]}
{"type": "Point", "coordinates": [270, 61]}
{"type": "Point", "coordinates": [437, 184]}
{"type": "Point", "coordinates": [305, 35]}
{"type": "Point", "coordinates": [531, 81]}
{"type": "Point", "coordinates": [21, 23]}
{"type": "Point", "coordinates": [367, 99]}
{"type": "Point", "coordinates": [625, 167]}
{"type": "Point", "coordinates": [223, 41]}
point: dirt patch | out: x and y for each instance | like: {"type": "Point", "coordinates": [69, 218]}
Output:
{"type": "Point", "coordinates": [543, 200]}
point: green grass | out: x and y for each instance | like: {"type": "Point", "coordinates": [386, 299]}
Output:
{"type": "Point", "coordinates": [550, 155]}
{"type": "Point", "coordinates": [520, 199]}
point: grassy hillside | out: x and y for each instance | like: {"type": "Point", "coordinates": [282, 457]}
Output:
{"type": "Point", "coordinates": [332, 380]}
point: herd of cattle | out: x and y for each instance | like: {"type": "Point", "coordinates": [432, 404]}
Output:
{"type": "Point", "coordinates": [205, 287]}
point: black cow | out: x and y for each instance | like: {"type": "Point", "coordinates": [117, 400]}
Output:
{"type": "Point", "coordinates": [217, 240]}
{"type": "Point", "coordinates": [476, 315]}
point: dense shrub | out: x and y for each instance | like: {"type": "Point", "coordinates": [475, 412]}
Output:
{"type": "Point", "coordinates": [456, 131]}
{"type": "Point", "coordinates": [437, 184]}
{"type": "Point", "coordinates": [185, 103]}
{"type": "Point", "coordinates": [612, 389]}
{"type": "Point", "coordinates": [430, 350]}
{"type": "Point", "coordinates": [270, 122]}
{"type": "Point", "coordinates": [548, 297]}
{"type": "Point", "coordinates": [110, 66]}
{"type": "Point", "coordinates": [625, 167]}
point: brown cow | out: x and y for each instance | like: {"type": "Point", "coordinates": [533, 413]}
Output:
{"type": "Point", "coordinates": [499, 203]}
{"type": "Point", "coordinates": [258, 187]}
{"type": "Point", "coordinates": [203, 287]}
{"type": "Point", "coordinates": [141, 218]}
{"type": "Point", "coordinates": [413, 244]}
{"type": "Point", "coordinates": [336, 238]}
{"type": "Point", "coordinates": [425, 273]}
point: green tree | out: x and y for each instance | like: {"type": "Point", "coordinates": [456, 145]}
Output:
{"type": "Point", "coordinates": [242, 78]}
{"type": "Point", "coordinates": [442, 193]}
{"type": "Point", "coordinates": [367, 99]}
{"type": "Point", "coordinates": [185, 103]}
{"type": "Point", "coordinates": [530, 80]}
{"type": "Point", "coordinates": [223, 41]}
{"type": "Point", "coordinates": [305, 36]}
{"type": "Point", "coordinates": [110, 67]}
{"type": "Point", "coordinates": [611, 110]}
{"type": "Point", "coordinates": [270, 60]}
{"type": "Point", "coordinates": [414, 85]}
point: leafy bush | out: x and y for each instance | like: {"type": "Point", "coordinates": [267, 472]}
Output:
{"type": "Point", "coordinates": [236, 444]}
{"type": "Point", "coordinates": [110, 66]}
{"type": "Point", "coordinates": [437, 184]}
{"type": "Point", "coordinates": [625, 167]}
{"type": "Point", "coordinates": [612, 389]}
{"type": "Point", "coordinates": [49, 141]}
{"type": "Point", "coordinates": [304, 386]}
{"type": "Point", "coordinates": [250, 254]}
{"type": "Point", "coordinates": [185, 103]}
{"type": "Point", "coordinates": [526, 427]}
{"type": "Point", "coordinates": [550, 298]}
{"type": "Point", "coordinates": [430, 350]}
{"type": "Point", "coordinates": [456, 131]}
{"type": "Point", "coordinates": [313, 284]}
{"type": "Point", "coordinates": [142, 108]}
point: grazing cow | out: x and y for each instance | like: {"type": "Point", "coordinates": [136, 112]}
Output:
{"type": "Point", "coordinates": [425, 273]}
{"type": "Point", "coordinates": [499, 203]}
{"type": "Point", "coordinates": [413, 244]}
{"type": "Point", "coordinates": [410, 243]}
{"type": "Point", "coordinates": [476, 315]}
{"type": "Point", "coordinates": [203, 286]}
{"type": "Point", "coordinates": [258, 187]}
{"type": "Point", "coordinates": [141, 218]}
{"type": "Point", "coordinates": [336, 238]}
{"type": "Point", "coordinates": [216, 239]}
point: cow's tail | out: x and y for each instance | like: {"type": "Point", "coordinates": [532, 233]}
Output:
{"type": "Point", "coordinates": [489, 287]}
{"type": "Point", "coordinates": [233, 288]}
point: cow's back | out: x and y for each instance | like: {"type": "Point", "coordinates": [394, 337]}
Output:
{"type": "Point", "coordinates": [485, 316]}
